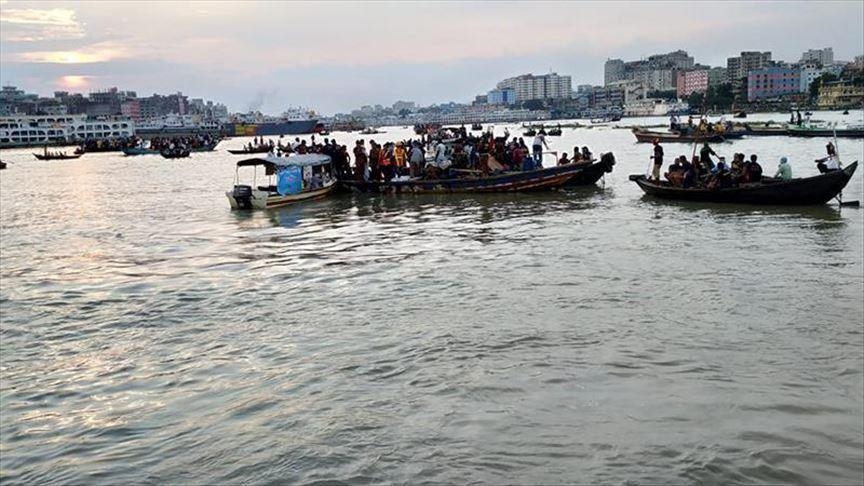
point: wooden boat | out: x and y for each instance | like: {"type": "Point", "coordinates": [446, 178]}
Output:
{"type": "Point", "coordinates": [555, 132]}
{"type": "Point", "coordinates": [476, 127]}
{"type": "Point", "coordinates": [534, 180]}
{"type": "Point", "coordinates": [845, 112]}
{"type": "Point", "coordinates": [290, 186]}
{"type": "Point", "coordinates": [2, 165]}
{"type": "Point", "coordinates": [591, 173]}
{"type": "Point", "coordinates": [261, 149]}
{"type": "Point", "coordinates": [807, 190]}
{"type": "Point", "coordinates": [848, 132]}
{"type": "Point", "coordinates": [648, 136]}
{"type": "Point", "coordinates": [177, 154]}
{"type": "Point", "coordinates": [764, 129]}
{"type": "Point", "coordinates": [148, 151]}
{"type": "Point", "coordinates": [740, 114]}
{"type": "Point", "coordinates": [56, 156]}
{"type": "Point", "coordinates": [530, 133]}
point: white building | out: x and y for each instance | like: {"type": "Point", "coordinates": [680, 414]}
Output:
{"type": "Point", "coordinates": [822, 56]}
{"type": "Point", "coordinates": [530, 87]}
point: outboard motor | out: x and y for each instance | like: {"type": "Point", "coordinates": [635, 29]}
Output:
{"type": "Point", "coordinates": [243, 196]}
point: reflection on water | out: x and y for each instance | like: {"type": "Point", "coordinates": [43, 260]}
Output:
{"type": "Point", "coordinates": [588, 333]}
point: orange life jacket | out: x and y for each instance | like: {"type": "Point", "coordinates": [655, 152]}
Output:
{"type": "Point", "coordinates": [400, 156]}
{"type": "Point", "coordinates": [383, 159]}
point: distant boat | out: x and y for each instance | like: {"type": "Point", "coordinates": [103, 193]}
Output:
{"type": "Point", "coordinates": [648, 136]}
{"type": "Point", "coordinates": [2, 165]}
{"type": "Point", "coordinates": [555, 132]}
{"type": "Point", "coordinates": [530, 132]}
{"type": "Point", "coordinates": [148, 151]}
{"type": "Point", "coordinates": [176, 154]}
{"type": "Point", "coordinates": [261, 149]}
{"type": "Point", "coordinates": [56, 156]}
{"type": "Point", "coordinates": [476, 127]}
{"type": "Point", "coordinates": [803, 191]}
{"type": "Point", "coordinates": [370, 131]}
{"type": "Point", "coordinates": [845, 112]}
{"type": "Point", "coordinates": [740, 114]}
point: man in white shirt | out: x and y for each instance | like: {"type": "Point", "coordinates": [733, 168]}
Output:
{"type": "Point", "coordinates": [539, 143]}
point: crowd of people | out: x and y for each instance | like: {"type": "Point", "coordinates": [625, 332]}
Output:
{"type": "Point", "coordinates": [703, 127]}
{"type": "Point", "coordinates": [447, 153]}
{"type": "Point", "coordinates": [702, 172]}
{"type": "Point", "coordinates": [173, 144]}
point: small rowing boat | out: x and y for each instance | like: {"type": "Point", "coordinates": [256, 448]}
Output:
{"type": "Point", "coordinates": [261, 149]}
{"type": "Point", "coordinates": [818, 189]}
{"type": "Point", "coordinates": [647, 136]}
{"type": "Point", "coordinates": [56, 156]}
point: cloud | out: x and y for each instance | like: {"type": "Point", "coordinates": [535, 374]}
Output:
{"type": "Point", "coordinates": [34, 25]}
{"type": "Point", "coordinates": [102, 52]}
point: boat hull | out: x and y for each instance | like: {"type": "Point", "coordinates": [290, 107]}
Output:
{"type": "Point", "coordinates": [260, 150]}
{"type": "Point", "coordinates": [145, 151]}
{"type": "Point", "coordinates": [56, 157]}
{"type": "Point", "coordinates": [290, 127]}
{"type": "Point", "coordinates": [267, 200]}
{"type": "Point", "coordinates": [590, 174]}
{"type": "Point", "coordinates": [535, 180]}
{"type": "Point", "coordinates": [646, 136]}
{"type": "Point", "coordinates": [805, 191]}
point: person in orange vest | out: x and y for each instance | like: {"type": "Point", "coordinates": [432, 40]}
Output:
{"type": "Point", "coordinates": [401, 157]}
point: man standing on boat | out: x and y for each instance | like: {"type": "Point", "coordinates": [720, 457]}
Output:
{"type": "Point", "coordinates": [360, 161]}
{"type": "Point", "coordinates": [658, 160]}
{"type": "Point", "coordinates": [539, 142]}
{"type": "Point", "coordinates": [416, 159]}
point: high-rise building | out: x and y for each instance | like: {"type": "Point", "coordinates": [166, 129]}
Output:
{"type": "Point", "coordinates": [530, 87]}
{"type": "Point", "coordinates": [717, 75]}
{"type": "Point", "coordinates": [613, 71]}
{"type": "Point", "coordinates": [822, 56]}
{"type": "Point", "coordinates": [738, 67]}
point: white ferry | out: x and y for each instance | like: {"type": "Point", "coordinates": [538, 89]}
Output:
{"type": "Point", "coordinates": [37, 130]}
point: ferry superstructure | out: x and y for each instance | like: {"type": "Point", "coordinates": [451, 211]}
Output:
{"type": "Point", "coordinates": [38, 130]}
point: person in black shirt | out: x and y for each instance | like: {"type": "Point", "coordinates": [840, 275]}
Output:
{"type": "Point", "coordinates": [658, 160]}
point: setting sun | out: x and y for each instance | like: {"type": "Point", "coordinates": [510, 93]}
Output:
{"type": "Point", "coordinates": [71, 82]}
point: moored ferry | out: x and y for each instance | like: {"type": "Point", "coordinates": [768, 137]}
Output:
{"type": "Point", "coordinates": [39, 130]}
{"type": "Point", "coordinates": [291, 122]}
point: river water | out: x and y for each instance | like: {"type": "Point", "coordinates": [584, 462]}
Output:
{"type": "Point", "coordinates": [151, 335]}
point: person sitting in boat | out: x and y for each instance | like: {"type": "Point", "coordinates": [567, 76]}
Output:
{"type": "Point", "coordinates": [587, 156]}
{"type": "Point", "coordinates": [751, 171]}
{"type": "Point", "coordinates": [674, 174]}
{"type": "Point", "coordinates": [563, 160]}
{"type": "Point", "coordinates": [829, 163]}
{"type": "Point", "coordinates": [784, 170]}
{"type": "Point", "coordinates": [688, 172]}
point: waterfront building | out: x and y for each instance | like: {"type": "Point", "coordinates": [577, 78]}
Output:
{"type": "Point", "coordinates": [404, 105]}
{"type": "Point", "coordinates": [631, 90]}
{"type": "Point", "coordinates": [822, 56]}
{"type": "Point", "coordinates": [772, 82]}
{"type": "Point", "coordinates": [808, 73]}
{"type": "Point", "coordinates": [840, 94]}
{"type": "Point", "coordinates": [690, 82]}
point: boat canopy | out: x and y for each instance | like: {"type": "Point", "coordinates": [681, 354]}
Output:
{"type": "Point", "coordinates": [296, 160]}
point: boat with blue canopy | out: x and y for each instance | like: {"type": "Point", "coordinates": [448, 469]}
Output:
{"type": "Point", "coordinates": [286, 180]}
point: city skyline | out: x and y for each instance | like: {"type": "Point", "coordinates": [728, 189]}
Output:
{"type": "Point", "coordinates": [275, 55]}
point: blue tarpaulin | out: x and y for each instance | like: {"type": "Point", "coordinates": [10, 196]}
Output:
{"type": "Point", "coordinates": [290, 181]}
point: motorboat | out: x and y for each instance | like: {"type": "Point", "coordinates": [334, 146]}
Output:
{"type": "Point", "coordinates": [291, 179]}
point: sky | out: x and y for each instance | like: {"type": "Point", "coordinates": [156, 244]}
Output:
{"type": "Point", "coordinates": [336, 56]}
